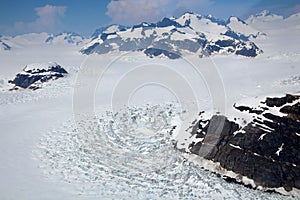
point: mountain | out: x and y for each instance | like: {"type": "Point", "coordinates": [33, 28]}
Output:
{"type": "Point", "coordinates": [294, 20]}
{"type": "Point", "coordinates": [266, 20]}
{"type": "Point", "coordinates": [174, 37]}
{"type": "Point", "coordinates": [241, 27]}
{"type": "Point", "coordinates": [65, 38]}
{"type": "Point", "coordinates": [34, 75]}
{"type": "Point", "coordinates": [32, 39]}
{"type": "Point", "coordinates": [264, 16]}
{"type": "Point", "coordinates": [275, 27]}
{"type": "Point", "coordinates": [28, 39]}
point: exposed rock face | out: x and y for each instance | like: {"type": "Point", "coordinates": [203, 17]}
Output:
{"type": "Point", "coordinates": [34, 75]}
{"type": "Point", "coordinates": [4, 46]}
{"type": "Point", "coordinates": [266, 150]}
{"type": "Point", "coordinates": [153, 52]}
{"type": "Point", "coordinates": [278, 102]}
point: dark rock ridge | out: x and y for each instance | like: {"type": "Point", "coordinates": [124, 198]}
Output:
{"type": "Point", "coordinates": [153, 52]}
{"type": "Point", "coordinates": [34, 75]}
{"type": "Point", "coordinates": [266, 150]}
{"type": "Point", "coordinates": [188, 34]}
{"type": "Point", "coordinates": [4, 46]}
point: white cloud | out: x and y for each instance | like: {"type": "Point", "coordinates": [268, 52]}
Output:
{"type": "Point", "coordinates": [133, 11]}
{"type": "Point", "coordinates": [48, 19]}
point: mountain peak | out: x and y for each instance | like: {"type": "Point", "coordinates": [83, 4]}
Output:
{"type": "Point", "coordinates": [267, 14]}
{"type": "Point", "coordinates": [165, 22]}
{"type": "Point", "coordinates": [209, 16]}
{"type": "Point", "coordinates": [188, 15]}
{"type": "Point", "coordinates": [263, 16]}
{"type": "Point", "coordinates": [234, 19]}
{"type": "Point", "coordinates": [264, 13]}
{"type": "Point", "coordinates": [215, 19]}
{"type": "Point", "coordinates": [108, 29]}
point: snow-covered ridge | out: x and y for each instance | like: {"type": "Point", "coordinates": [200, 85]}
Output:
{"type": "Point", "coordinates": [36, 67]}
{"type": "Point", "coordinates": [268, 17]}
{"type": "Point", "coordinates": [108, 29]}
{"type": "Point", "coordinates": [264, 16]}
{"type": "Point", "coordinates": [67, 37]}
{"type": "Point", "coordinates": [188, 34]}
{"type": "Point", "coordinates": [243, 28]}
{"type": "Point", "coordinates": [35, 39]}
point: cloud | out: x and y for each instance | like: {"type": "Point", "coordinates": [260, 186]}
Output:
{"type": "Point", "coordinates": [48, 19]}
{"type": "Point", "coordinates": [132, 11]}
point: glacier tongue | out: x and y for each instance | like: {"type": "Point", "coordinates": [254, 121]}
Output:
{"type": "Point", "coordinates": [129, 155]}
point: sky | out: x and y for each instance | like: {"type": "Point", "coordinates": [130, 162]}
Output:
{"type": "Point", "coordinates": [85, 16]}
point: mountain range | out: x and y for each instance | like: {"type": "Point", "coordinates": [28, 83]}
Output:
{"type": "Point", "coordinates": [173, 37]}
{"type": "Point", "coordinates": [170, 37]}
{"type": "Point", "coordinates": [25, 40]}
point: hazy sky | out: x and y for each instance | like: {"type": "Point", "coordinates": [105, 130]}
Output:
{"type": "Point", "coordinates": [84, 16]}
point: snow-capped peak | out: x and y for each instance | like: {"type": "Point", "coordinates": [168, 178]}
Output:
{"type": "Point", "coordinates": [264, 16]}
{"type": "Point", "coordinates": [235, 19]}
{"type": "Point", "coordinates": [215, 19]}
{"type": "Point", "coordinates": [242, 27]}
{"type": "Point", "coordinates": [263, 13]}
{"type": "Point", "coordinates": [108, 30]}
{"type": "Point", "coordinates": [190, 15]}
{"type": "Point", "coordinates": [186, 18]}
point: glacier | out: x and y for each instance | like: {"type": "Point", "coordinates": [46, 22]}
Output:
{"type": "Point", "coordinates": [48, 150]}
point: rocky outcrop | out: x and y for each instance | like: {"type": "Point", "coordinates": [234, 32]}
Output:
{"type": "Point", "coordinates": [153, 52]}
{"type": "Point", "coordinates": [278, 102]}
{"type": "Point", "coordinates": [266, 150]}
{"type": "Point", "coordinates": [34, 75]}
